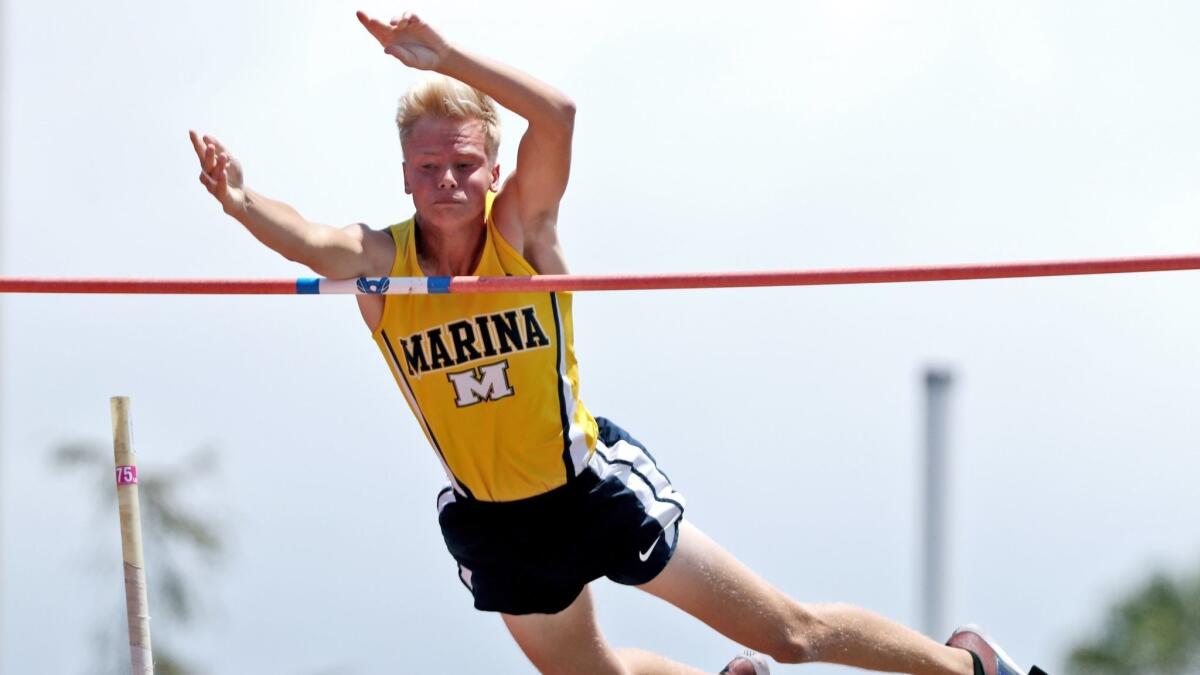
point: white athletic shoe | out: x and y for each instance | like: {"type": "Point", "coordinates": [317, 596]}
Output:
{"type": "Point", "coordinates": [749, 662]}
{"type": "Point", "coordinates": [993, 659]}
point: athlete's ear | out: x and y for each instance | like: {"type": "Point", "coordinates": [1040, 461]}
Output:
{"type": "Point", "coordinates": [404, 170]}
{"type": "Point", "coordinates": [496, 177]}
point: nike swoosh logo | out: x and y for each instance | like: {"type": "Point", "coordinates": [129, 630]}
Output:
{"type": "Point", "coordinates": [646, 556]}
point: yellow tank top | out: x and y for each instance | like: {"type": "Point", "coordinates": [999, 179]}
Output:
{"type": "Point", "coordinates": [491, 378]}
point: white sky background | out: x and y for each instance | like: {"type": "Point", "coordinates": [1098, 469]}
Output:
{"type": "Point", "coordinates": [755, 136]}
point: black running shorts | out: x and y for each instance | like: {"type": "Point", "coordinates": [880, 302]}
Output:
{"type": "Point", "coordinates": [618, 519]}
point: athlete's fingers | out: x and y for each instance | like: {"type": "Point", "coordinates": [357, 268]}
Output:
{"type": "Point", "coordinates": [216, 143]}
{"type": "Point", "coordinates": [197, 144]}
{"type": "Point", "coordinates": [222, 180]}
{"type": "Point", "coordinates": [208, 182]}
{"type": "Point", "coordinates": [210, 159]}
{"type": "Point", "coordinates": [375, 27]}
{"type": "Point", "coordinates": [366, 20]}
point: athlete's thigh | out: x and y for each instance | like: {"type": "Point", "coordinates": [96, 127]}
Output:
{"type": "Point", "coordinates": [567, 642]}
{"type": "Point", "coordinates": [706, 581]}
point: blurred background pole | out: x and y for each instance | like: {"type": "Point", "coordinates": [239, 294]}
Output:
{"type": "Point", "coordinates": [933, 564]}
{"type": "Point", "coordinates": [3, 210]}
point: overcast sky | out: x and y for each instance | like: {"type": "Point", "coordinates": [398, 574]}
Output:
{"type": "Point", "coordinates": [760, 135]}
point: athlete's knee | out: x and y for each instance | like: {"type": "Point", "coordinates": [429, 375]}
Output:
{"type": "Point", "coordinates": [800, 637]}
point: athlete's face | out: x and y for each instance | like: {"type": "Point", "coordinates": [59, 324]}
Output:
{"type": "Point", "coordinates": [447, 171]}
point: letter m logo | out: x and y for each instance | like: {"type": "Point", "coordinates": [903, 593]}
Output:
{"type": "Point", "coordinates": [485, 383]}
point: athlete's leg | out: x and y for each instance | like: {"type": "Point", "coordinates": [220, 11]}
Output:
{"type": "Point", "coordinates": [571, 642]}
{"type": "Point", "coordinates": [707, 582]}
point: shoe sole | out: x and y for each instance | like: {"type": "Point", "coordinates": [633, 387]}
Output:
{"type": "Point", "coordinates": [1007, 660]}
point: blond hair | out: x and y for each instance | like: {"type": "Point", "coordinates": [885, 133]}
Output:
{"type": "Point", "coordinates": [446, 97]}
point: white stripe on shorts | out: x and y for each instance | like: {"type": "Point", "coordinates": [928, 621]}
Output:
{"type": "Point", "coordinates": [576, 438]}
{"type": "Point", "coordinates": [446, 497]}
{"type": "Point", "coordinates": [633, 467]}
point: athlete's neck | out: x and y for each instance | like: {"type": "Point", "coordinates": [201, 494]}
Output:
{"type": "Point", "coordinates": [449, 251]}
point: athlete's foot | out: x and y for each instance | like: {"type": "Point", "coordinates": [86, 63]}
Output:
{"type": "Point", "coordinates": [988, 657]}
{"type": "Point", "coordinates": [747, 663]}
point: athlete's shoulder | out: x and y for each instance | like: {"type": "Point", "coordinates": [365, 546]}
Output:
{"type": "Point", "coordinates": [379, 246]}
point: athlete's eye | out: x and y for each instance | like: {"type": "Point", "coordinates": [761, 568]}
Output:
{"type": "Point", "coordinates": [465, 165]}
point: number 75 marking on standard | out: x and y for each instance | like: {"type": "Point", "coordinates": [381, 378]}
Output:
{"type": "Point", "coordinates": [126, 475]}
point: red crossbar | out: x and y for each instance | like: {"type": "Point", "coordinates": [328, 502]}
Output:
{"type": "Point", "coordinates": [629, 282]}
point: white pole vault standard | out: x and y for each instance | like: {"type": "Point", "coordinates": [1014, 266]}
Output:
{"type": "Point", "coordinates": [137, 607]}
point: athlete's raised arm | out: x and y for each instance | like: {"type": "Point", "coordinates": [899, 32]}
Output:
{"type": "Point", "coordinates": [329, 251]}
{"type": "Point", "coordinates": [527, 209]}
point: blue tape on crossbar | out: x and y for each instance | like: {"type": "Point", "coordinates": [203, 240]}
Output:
{"type": "Point", "coordinates": [439, 285]}
{"type": "Point", "coordinates": [308, 286]}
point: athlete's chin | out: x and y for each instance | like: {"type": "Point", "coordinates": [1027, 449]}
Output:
{"type": "Point", "coordinates": [448, 215]}
{"type": "Point", "coordinates": [454, 209]}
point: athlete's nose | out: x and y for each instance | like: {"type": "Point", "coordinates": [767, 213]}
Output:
{"type": "Point", "coordinates": [447, 182]}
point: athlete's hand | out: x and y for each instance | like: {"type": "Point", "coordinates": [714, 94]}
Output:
{"type": "Point", "coordinates": [409, 39]}
{"type": "Point", "coordinates": [220, 173]}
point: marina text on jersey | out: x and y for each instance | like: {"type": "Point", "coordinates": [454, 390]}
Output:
{"type": "Point", "coordinates": [479, 337]}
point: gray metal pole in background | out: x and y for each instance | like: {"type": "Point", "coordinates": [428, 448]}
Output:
{"type": "Point", "coordinates": [3, 208]}
{"type": "Point", "coordinates": [933, 568]}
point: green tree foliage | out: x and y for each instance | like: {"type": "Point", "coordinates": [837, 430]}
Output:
{"type": "Point", "coordinates": [1153, 631]}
